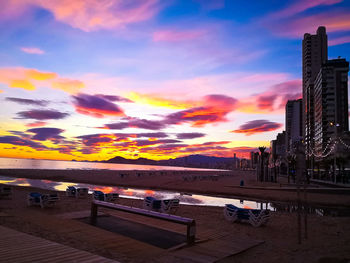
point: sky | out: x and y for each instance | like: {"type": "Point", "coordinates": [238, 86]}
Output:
{"type": "Point", "coordinates": [95, 79]}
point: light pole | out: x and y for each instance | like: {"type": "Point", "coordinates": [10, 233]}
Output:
{"type": "Point", "coordinates": [335, 125]}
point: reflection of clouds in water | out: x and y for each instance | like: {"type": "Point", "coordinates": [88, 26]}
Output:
{"type": "Point", "coordinates": [133, 193]}
{"type": "Point", "coordinates": [43, 184]}
{"type": "Point", "coordinates": [186, 199]}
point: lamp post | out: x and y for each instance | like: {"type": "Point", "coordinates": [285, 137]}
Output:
{"type": "Point", "coordinates": [335, 125]}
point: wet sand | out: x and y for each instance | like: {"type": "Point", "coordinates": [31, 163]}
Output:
{"type": "Point", "coordinates": [220, 183]}
{"type": "Point", "coordinates": [328, 237]}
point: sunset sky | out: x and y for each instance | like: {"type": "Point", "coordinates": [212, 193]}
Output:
{"type": "Point", "coordinates": [94, 79]}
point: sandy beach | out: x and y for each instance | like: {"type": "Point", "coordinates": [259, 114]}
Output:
{"type": "Point", "coordinates": [219, 183]}
{"type": "Point", "coordinates": [327, 240]}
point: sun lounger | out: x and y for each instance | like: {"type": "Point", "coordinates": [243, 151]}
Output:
{"type": "Point", "coordinates": [82, 192]}
{"type": "Point", "coordinates": [101, 196]}
{"type": "Point", "coordinates": [73, 191]}
{"type": "Point", "coordinates": [255, 217]}
{"type": "Point", "coordinates": [164, 206]}
{"type": "Point", "coordinates": [170, 205]}
{"type": "Point", "coordinates": [5, 192]}
{"type": "Point", "coordinates": [42, 200]}
{"type": "Point", "coordinates": [150, 203]}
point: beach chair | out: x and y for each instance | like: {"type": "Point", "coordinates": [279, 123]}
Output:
{"type": "Point", "coordinates": [255, 217]}
{"type": "Point", "coordinates": [150, 203]}
{"type": "Point", "coordinates": [111, 197]}
{"type": "Point", "coordinates": [101, 196]}
{"type": "Point", "coordinates": [71, 191]}
{"type": "Point", "coordinates": [82, 192]}
{"type": "Point", "coordinates": [170, 205]}
{"type": "Point", "coordinates": [5, 192]}
{"type": "Point", "coordinates": [42, 200]}
{"type": "Point", "coordinates": [98, 195]}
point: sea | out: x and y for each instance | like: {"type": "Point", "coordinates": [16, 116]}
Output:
{"type": "Point", "coordinates": [13, 163]}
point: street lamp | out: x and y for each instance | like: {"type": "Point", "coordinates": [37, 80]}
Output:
{"type": "Point", "coordinates": [335, 125]}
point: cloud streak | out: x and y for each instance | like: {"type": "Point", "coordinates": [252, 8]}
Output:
{"type": "Point", "coordinates": [96, 106]}
{"type": "Point", "coordinates": [89, 15]}
{"type": "Point", "coordinates": [33, 50]}
{"type": "Point", "coordinates": [257, 126]}
{"type": "Point", "coordinates": [42, 115]}
{"type": "Point", "coordinates": [28, 101]}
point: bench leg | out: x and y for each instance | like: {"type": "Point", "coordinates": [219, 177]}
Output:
{"type": "Point", "coordinates": [191, 233]}
{"type": "Point", "coordinates": [93, 215]}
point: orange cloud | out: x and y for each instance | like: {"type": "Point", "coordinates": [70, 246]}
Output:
{"type": "Point", "coordinates": [22, 84]}
{"type": "Point", "coordinates": [38, 75]}
{"type": "Point", "coordinates": [68, 85]}
{"type": "Point", "coordinates": [156, 100]}
{"type": "Point", "coordinates": [36, 124]}
{"type": "Point", "coordinates": [32, 50]}
{"type": "Point", "coordinates": [30, 79]}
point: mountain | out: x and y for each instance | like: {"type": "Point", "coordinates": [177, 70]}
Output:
{"type": "Point", "coordinates": [194, 161]}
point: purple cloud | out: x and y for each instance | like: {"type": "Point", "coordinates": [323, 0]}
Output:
{"type": "Point", "coordinates": [152, 135]}
{"type": "Point", "coordinates": [95, 139]}
{"type": "Point", "coordinates": [42, 114]}
{"type": "Point", "coordinates": [257, 126]}
{"type": "Point", "coordinates": [190, 135]}
{"type": "Point", "coordinates": [137, 123]}
{"type": "Point", "coordinates": [28, 101]}
{"type": "Point", "coordinates": [43, 134]}
{"type": "Point", "coordinates": [147, 142]}
{"type": "Point", "coordinates": [15, 140]}
{"type": "Point", "coordinates": [113, 98]}
{"type": "Point", "coordinates": [96, 106]}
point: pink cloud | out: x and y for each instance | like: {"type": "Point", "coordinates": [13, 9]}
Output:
{"type": "Point", "coordinates": [89, 15]}
{"type": "Point", "coordinates": [33, 50]}
{"type": "Point", "coordinates": [301, 6]}
{"type": "Point", "coordinates": [339, 41]}
{"type": "Point", "coordinates": [177, 36]}
{"type": "Point", "coordinates": [333, 21]}
{"type": "Point", "coordinates": [273, 99]}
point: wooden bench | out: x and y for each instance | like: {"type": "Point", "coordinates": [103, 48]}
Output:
{"type": "Point", "coordinates": [190, 223]}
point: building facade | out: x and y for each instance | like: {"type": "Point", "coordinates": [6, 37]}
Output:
{"type": "Point", "coordinates": [314, 54]}
{"type": "Point", "coordinates": [331, 103]}
{"type": "Point", "coordinates": [294, 131]}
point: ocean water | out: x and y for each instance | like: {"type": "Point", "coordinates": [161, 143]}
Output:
{"type": "Point", "coordinates": [12, 163]}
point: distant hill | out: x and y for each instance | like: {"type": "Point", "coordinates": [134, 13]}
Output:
{"type": "Point", "coordinates": [193, 161]}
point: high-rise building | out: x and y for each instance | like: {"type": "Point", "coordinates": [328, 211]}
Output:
{"type": "Point", "coordinates": [331, 102]}
{"type": "Point", "coordinates": [294, 132]}
{"type": "Point", "coordinates": [314, 55]}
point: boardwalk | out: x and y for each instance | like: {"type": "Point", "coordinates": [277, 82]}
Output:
{"type": "Point", "coordinates": [20, 247]}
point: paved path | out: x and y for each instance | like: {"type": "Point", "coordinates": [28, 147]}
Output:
{"type": "Point", "coordinates": [20, 247]}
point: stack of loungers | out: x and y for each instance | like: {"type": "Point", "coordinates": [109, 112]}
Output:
{"type": "Point", "coordinates": [101, 196]}
{"type": "Point", "coordinates": [72, 191]}
{"type": "Point", "coordinates": [255, 217]}
{"type": "Point", "coordinates": [42, 200]}
{"type": "Point", "coordinates": [164, 206]}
